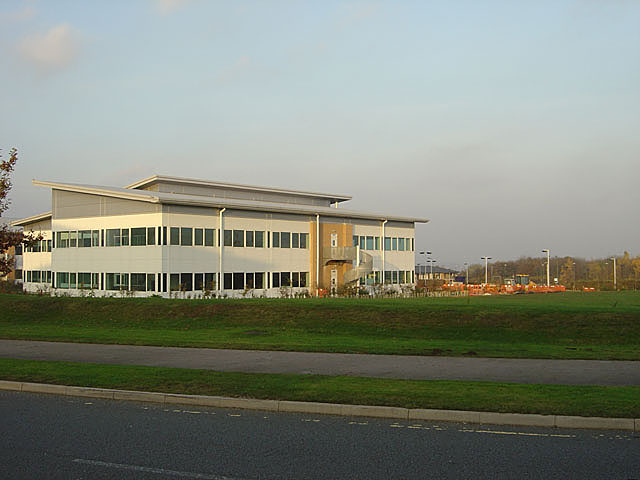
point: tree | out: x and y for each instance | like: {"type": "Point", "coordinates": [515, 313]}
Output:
{"type": "Point", "coordinates": [8, 237]}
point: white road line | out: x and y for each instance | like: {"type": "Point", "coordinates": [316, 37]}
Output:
{"type": "Point", "coordinates": [159, 471]}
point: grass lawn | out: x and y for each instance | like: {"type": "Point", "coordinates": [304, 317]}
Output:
{"type": "Point", "coordinates": [601, 325]}
{"type": "Point", "coordinates": [453, 395]}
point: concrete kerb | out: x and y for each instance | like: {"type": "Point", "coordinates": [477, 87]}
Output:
{"type": "Point", "coordinates": [534, 420]}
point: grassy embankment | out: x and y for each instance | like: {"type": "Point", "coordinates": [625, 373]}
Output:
{"type": "Point", "coordinates": [603, 325]}
{"type": "Point", "coordinates": [477, 396]}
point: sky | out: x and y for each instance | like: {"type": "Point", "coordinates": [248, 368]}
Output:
{"type": "Point", "coordinates": [514, 126]}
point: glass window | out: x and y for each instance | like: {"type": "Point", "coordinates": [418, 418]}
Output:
{"type": "Point", "coordinates": [295, 279]}
{"type": "Point", "coordinates": [402, 276]}
{"type": "Point", "coordinates": [362, 243]}
{"type": "Point", "coordinates": [259, 280]}
{"type": "Point", "coordinates": [249, 238]}
{"type": "Point", "coordinates": [413, 247]}
{"type": "Point", "coordinates": [63, 242]}
{"type": "Point", "coordinates": [295, 240]}
{"type": "Point", "coordinates": [94, 280]}
{"type": "Point", "coordinates": [285, 279]}
{"type": "Point", "coordinates": [387, 276]}
{"type": "Point", "coordinates": [377, 243]}
{"type": "Point", "coordinates": [198, 281]}
{"type": "Point", "coordinates": [304, 237]}
{"type": "Point", "coordinates": [249, 280]}
{"type": "Point", "coordinates": [210, 281]}
{"type": "Point", "coordinates": [387, 243]}
{"type": "Point", "coordinates": [401, 244]}
{"type": "Point", "coordinates": [138, 280]}
{"type": "Point", "coordinates": [73, 239]}
{"type": "Point", "coordinates": [238, 238]}
{"type": "Point", "coordinates": [138, 237]}
{"type": "Point", "coordinates": [174, 234]}
{"type": "Point", "coordinates": [276, 239]}
{"type": "Point", "coordinates": [395, 276]}
{"type": "Point", "coordinates": [304, 279]}
{"type": "Point", "coordinates": [285, 240]}
{"type": "Point", "coordinates": [228, 281]}
{"type": "Point", "coordinates": [275, 280]}
{"type": "Point", "coordinates": [62, 279]}
{"type": "Point", "coordinates": [35, 278]}
{"type": "Point", "coordinates": [151, 282]}
{"type": "Point", "coordinates": [355, 241]}
{"type": "Point", "coordinates": [124, 234]}
{"type": "Point", "coordinates": [186, 235]}
{"type": "Point", "coordinates": [164, 236]}
{"type": "Point", "coordinates": [186, 282]}
{"type": "Point", "coordinates": [113, 238]}
{"type": "Point", "coordinates": [259, 239]}
{"type": "Point", "coordinates": [369, 245]}
{"type": "Point", "coordinates": [85, 238]}
{"type": "Point", "coordinates": [238, 281]}
{"type": "Point", "coordinates": [394, 243]}
{"type": "Point", "coordinates": [151, 236]}
{"type": "Point", "coordinates": [198, 240]}
{"type": "Point", "coordinates": [84, 280]}
{"type": "Point", "coordinates": [209, 234]}
{"type": "Point", "coordinates": [228, 238]}
{"type": "Point", "coordinates": [174, 282]}
{"type": "Point", "coordinates": [95, 238]}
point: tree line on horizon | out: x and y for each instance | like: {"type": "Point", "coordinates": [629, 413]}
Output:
{"type": "Point", "coordinates": [572, 272]}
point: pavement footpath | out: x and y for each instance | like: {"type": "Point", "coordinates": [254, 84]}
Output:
{"type": "Point", "coordinates": [544, 371]}
{"type": "Point", "coordinates": [569, 372]}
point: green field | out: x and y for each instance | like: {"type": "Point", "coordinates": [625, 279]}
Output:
{"type": "Point", "coordinates": [602, 325]}
{"type": "Point", "coordinates": [476, 396]}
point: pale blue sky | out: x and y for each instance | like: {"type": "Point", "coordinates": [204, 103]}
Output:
{"type": "Point", "coordinates": [514, 126]}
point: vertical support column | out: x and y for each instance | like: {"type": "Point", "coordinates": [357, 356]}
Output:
{"type": "Point", "coordinates": [317, 254]}
{"type": "Point", "coordinates": [221, 247]}
{"type": "Point", "coordinates": [382, 245]}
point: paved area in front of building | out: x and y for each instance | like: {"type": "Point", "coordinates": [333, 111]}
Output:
{"type": "Point", "coordinates": [567, 372]}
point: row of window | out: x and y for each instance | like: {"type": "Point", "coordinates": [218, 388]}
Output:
{"type": "Point", "coordinates": [195, 281]}
{"type": "Point", "coordinates": [184, 236]}
{"type": "Point", "coordinates": [400, 244]}
{"type": "Point", "coordinates": [37, 276]}
{"type": "Point", "coordinates": [173, 281]}
{"type": "Point", "coordinates": [39, 246]}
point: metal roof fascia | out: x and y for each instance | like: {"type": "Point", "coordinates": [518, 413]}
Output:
{"type": "Point", "coordinates": [32, 219]}
{"type": "Point", "coordinates": [145, 197]}
{"type": "Point", "coordinates": [327, 211]}
{"type": "Point", "coordinates": [194, 181]}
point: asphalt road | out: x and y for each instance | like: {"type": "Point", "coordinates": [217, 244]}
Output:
{"type": "Point", "coordinates": [567, 372]}
{"type": "Point", "coordinates": [46, 436]}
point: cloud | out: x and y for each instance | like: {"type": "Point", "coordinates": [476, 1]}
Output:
{"type": "Point", "coordinates": [19, 15]}
{"type": "Point", "coordinates": [165, 7]}
{"type": "Point", "coordinates": [51, 50]}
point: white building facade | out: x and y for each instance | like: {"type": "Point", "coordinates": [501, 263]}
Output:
{"type": "Point", "coordinates": [171, 236]}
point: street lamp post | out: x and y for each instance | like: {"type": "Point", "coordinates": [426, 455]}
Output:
{"type": "Point", "coordinates": [486, 268]}
{"type": "Point", "coordinates": [546, 250]}
{"type": "Point", "coordinates": [615, 276]}
{"type": "Point", "coordinates": [426, 259]}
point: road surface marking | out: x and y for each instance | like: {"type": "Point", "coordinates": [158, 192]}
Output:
{"type": "Point", "coordinates": [524, 434]}
{"type": "Point", "coordinates": [160, 471]}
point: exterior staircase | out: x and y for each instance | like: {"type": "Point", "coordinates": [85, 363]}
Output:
{"type": "Point", "coordinates": [363, 267]}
